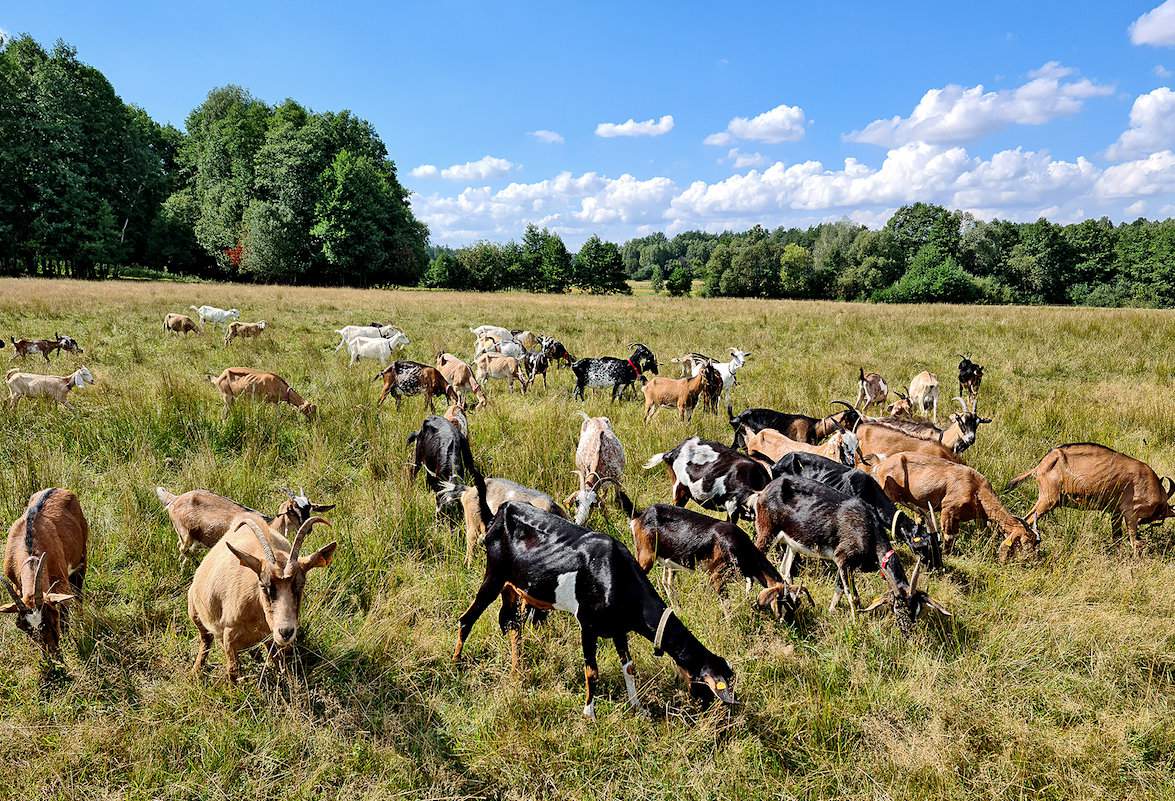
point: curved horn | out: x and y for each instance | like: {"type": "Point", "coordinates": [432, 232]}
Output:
{"type": "Point", "coordinates": [12, 591]}
{"type": "Point", "coordinates": [303, 530]}
{"type": "Point", "coordinates": [962, 403]}
{"type": "Point", "coordinates": [289, 493]}
{"type": "Point", "coordinates": [266, 548]}
{"type": "Point", "coordinates": [933, 519]}
{"type": "Point", "coordinates": [38, 596]}
{"type": "Point", "coordinates": [914, 575]}
{"type": "Point", "coordinates": [893, 526]}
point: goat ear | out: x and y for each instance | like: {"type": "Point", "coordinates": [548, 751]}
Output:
{"type": "Point", "coordinates": [322, 507]}
{"type": "Point", "coordinates": [246, 559]}
{"type": "Point", "coordinates": [320, 558]}
{"type": "Point", "coordinates": [9, 608]}
{"type": "Point", "coordinates": [984, 420]}
{"type": "Point", "coordinates": [58, 597]}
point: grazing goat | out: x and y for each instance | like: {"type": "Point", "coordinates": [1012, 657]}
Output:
{"type": "Point", "coordinates": [497, 346]}
{"type": "Point", "coordinates": [32, 385]}
{"type": "Point", "coordinates": [378, 349]}
{"type": "Point", "coordinates": [599, 455]}
{"type": "Point", "coordinates": [794, 426]}
{"type": "Point", "coordinates": [772, 446]}
{"type": "Point", "coordinates": [677, 393]}
{"type": "Point", "coordinates": [960, 494]}
{"type": "Point", "coordinates": [23, 347]}
{"type": "Point", "coordinates": [1086, 475]}
{"type": "Point", "coordinates": [441, 448]}
{"type": "Point", "coordinates": [498, 491]}
{"type": "Point", "coordinates": [922, 397]}
{"type": "Point", "coordinates": [180, 324]}
{"type": "Point", "coordinates": [349, 332]}
{"type": "Point", "coordinates": [885, 439]}
{"type": "Point", "coordinates": [535, 363]}
{"type": "Point", "coordinates": [694, 362]}
{"type": "Point", "coordinates": [236, 382]}
{"type": "Point", "coordinates": [505, 368]}
{"type": "Point", "coordinates": [813, 519]}
{"type": "Point", "coordinates": [608, 371]}
{"type": "Point", "coordinates": [871, 390]}
{"type": "Point", "coordinates": [406, 379]}
{"type": "Point", "coordinates": [45, 565]}
{"type": "Point", "coordinates": [555, 351]}
{"type": "Point", "coordinates": [712, 475]}
{"type": "Point", "coordinates": [529, 340]}
{"type": "Point", "coordinates": [212, 314]}
{"type": "Point", "coordinates": [958, 436]}
{"type": "Point", "coordinates": [200, 516]}
{"type": "Point", "coordinates": [923, 541]}
{"type": "Point", "coordinates": [460, 377]}
{"type": "Point", "coordinates": [249, 587]}
{"type": "Point", "coordinates": [970, 376]}
{"type": "Point", "coordinates": [538, 559]}
{"type": "Point", "coordinates": [496, 331]}
{"type": "Point", "coordinates": [238, 329]}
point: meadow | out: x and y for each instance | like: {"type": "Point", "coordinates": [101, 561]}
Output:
{"type": "Point", "coordinates": [1055, 679]}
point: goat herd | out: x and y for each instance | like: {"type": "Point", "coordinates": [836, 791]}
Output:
{"type": "Point", "coordinates": [845, 488]}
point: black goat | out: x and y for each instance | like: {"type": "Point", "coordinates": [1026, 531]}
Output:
{"type": "Point", "coordinates": [859, 484]}
{"type": "Point", "coordinates": [608, 371]}
{"type": "Point", "coordinates": [543, 561]}
{"type": "Point", "coordinates": [442, 449]}
{"type": "Point", "coordinates": [970, 376]}
{"type": "Point", "coordinates": [799, 427]}
{"type": "Point", "coordinates": [712, 475]}
{"type": "Point", "coordinates": [813, 519]}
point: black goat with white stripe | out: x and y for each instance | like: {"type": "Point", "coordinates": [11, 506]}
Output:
{"type": "Point", "coordinates": [712, 475]}
{"type": "Point", "coordinates": [608, 371]}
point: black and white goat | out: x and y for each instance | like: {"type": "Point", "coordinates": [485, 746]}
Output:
{"type": "Point", "coordinates": [618, 374]}
{"type": "Point", "coordinates": [800, 427]}
{"type": "Point", "coordinates": [923, 542]}
{"type": "Point", "coordinates": [970, 376]}
{"type": "Point", "coordinates": [712, 475]}
{"type": "Point", "coordinates": [555, 352]}
{"type": "Point", "coordinates": [537, 559]}
{"type": "Point", "coordinates": [442, 450]}
{"type": "Point", "coordinates": [813, 519]}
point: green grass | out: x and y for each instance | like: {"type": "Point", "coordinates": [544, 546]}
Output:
{"type": "Point", "coordinates": [1055, 680]}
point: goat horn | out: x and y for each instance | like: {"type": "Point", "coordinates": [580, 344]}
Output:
{"type": "Point", "coordinates": [303, 530]}
{"type": "Point", "coordinates": [893, 526]}
{"type": "Point", "coordinates": [914, 575]}
{"type": "Point", "coordinates": [266, 549]}
{"type": "Point", "coordinates": [288, 492]}
{"type": "Point", "coordinates": [38, 596]}
{"type": "Point", "coordinates": [942, 610]}
{"type": "Point", "coordinates": [933, 519]}
{"type": "Point", "coordinates": [962, 403]}
{"type": "Point", "coordinates": [12, 591]}
{"type": "Point", "coordinates": [875, 605]}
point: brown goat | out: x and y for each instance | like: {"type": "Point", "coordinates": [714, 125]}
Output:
{"type": "Point", "coordinates": [679, 393]}
{"type": "Point", "coordinates": [1086, 475]}
{"type": "Point", "coordinates": [877, 439]}
{"type": "Point", "coordinates": [773, 446]}
{"type": "Point", "coordinates": [236, 382]}
{"type": "Point", "coordinates": [45, 565]}
{"type": "Point", "coordinates": [508, 368]}
{"type": "Point", "coordinates": [871, 390]}
{"type": "Point", "coordinates": [238, 329]}
{"type": "Point", "coordinates": [180, 324]}
{"type": "Point", "coordinates": [959, 492]}
{"type": "Point", "coordinates": [460, 377]}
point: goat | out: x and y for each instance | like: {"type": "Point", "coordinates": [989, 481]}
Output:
{"type": "Point", "coordinates": [494, 345]}
{"type": "Point", "coordinates": [506, 368]}
{"type": "Point", "coordinates": [498, 491]}
{"type": "Point", "coordinates": [496, 331]}
{"type": "Point", "coordinates": [45, 565]}
{"type": "Point", "coordinates": [555, 351]}
{"type": "Point", "coordinates": [960, 493]}
{"type": "Point", "coordinates": [535, 363]}
{"type": "Point", "coordinates": [726, 370]}
{"type": "Point", "coordinates": [349, 332]}
{"type": "Point", "coordinates": [249, 587]}
{"type": "Point", "coordinates": [923, 395]}
{"type": "Point", "coordinates": [599, 455]}
{"type": "Point", "coordinates": [23, 347]}
{"type": "Point", "coordinates": [236, 382]}
{"type": "Point", "coordinates": [772, 445]}
{"type": "Point", "coordinates": [1086, 475]}
{"type": "Point", "coordinates": [215, 315]}
{"type": "Point", "coordinates": [238, 329]}
{"type": "Point", "coordinates": [180, 324]}
{"type": "Point", "coordinates": [813, 519]}
{"type": "Point", "coordinates": [712, 475]}
{"type": "Point", "coordinates": [32, 385]}
{"type": "Point", "coordinates": [871, 390]}
{"type": "Point", "coordinates": [404, 379]}
{"type": "Point", "coordinates": [957, 437]}
{"type": "Point", "coordinates": [200, 516]}
{"type": "Point", "coordinates": [441, 448]}
{"type": "Point", "coordinates": [882, 439]}
{"type": "Point", "coordinates": [608, 371]}
{"type": "Point", "coordinates": [679, 393]}
{"type": "Point", "coordinates": [794, 426]}
{"type": "Point", "coordinates": [527, 339]}
{"type": "Point", "coordinates": [970, 376]}
{"type": "Point", "coordinates": [378, 349]}
{"type": "Point", "coordinates": [546, 562]}
{"type": "Point", "coordinates": [460, 377]}
{"type": "Point", "coordinates": [923, 542]}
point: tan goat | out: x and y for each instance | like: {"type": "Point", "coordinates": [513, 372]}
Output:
{"type": "Point", "coordinates": [506, 368]}
{"type": "Point", "coordinates": [772, 446]}
{"type": "Point", "coordinates": [599, 455]}
{"type": "Point", "coordinates": [460, 377]}
{"type": "Point", "coordinates": [247, 330]}
{"type": "Point", "coordinates": [180, 324]}
{"type": "Point", "coordinates": [679, 393]}
{"type": "Point", "coordinates": [871, 390]}
{"type": "Point", "coordinates": [33, 385]}
{"type": "Point", "coordinates": [249, 587]}
{"type": "Point", "coordinates": [498, 491]}
{"type": "Point", "coordinates": [882, 440]}
{"type": "Point", "coordinates": [45, 565]}
{"type": "Point", "coordinates": [236, 382]}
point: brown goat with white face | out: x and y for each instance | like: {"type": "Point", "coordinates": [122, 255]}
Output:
{"type": "Point", "coordinates": [249, 587]}
{"type": "Point", "coordinates": [45, 565]}
{"type": "Point", "coordinates": [599, 454]}
{"type": "Point", "coordinates": [882, 440]}
{"type": "Point", "coordinates": [773, 446]}
{"type": "Point", "coordinates": [236, 382]}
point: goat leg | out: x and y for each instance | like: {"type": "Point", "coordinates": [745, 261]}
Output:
{"type": "Point", "coordinates": [590, 672]}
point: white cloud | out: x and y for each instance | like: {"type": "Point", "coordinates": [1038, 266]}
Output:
{"type": "Point", "coordinates": [740, 160]}
{"type": "Point", "coordinates": [1156, 27]}
{"type": "Point", "coordinates": [1152, 175]}
{"type": "Point", "coordinates": [956, 114]}
{"type": "Point", "coordinates": [1162, 72]}
{"type": "Point", "coordinates": [1152, 126]}
{"type": "Point", "coordinates": [550, 137]}
{"type": "Point", "coordinates": [631, 127]}
{"type": "Point", "coordinates": [4, 35]}
{"type": "Point", "coordinates": [424, 171]}
{"type": "Point", "coordinates": [783, 123]}
{"type": "Point", "coordinates": [627, 200]}
{"type": "Point", "coordinates": [1136, 209]}
{"type": "Point", "coordinates": [483, 169]}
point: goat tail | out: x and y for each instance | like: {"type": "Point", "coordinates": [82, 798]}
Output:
{"type": "Point", "coordinates": [164, 496]}
{"type": "Point", "coordinates": [11, 373]}
{"type": "Point", "coordinates": [654, 460]}
{"type": "Point", "coordinates": [1020, 479]}
{"type": "Point", "coordinates": [583, 414]}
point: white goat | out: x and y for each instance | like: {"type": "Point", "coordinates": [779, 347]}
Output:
{"type": "Point", "coordinates": [496, 331]}
{"type": "Point", "coordinates": [349, 332]}
{"type": "Point", "coordinates": [379, 348]}
{"type": "Point", "coordinates": [494, 345]}
{"type": "Point", "coordinates": [34, 385]}
{"type": "Point", "coordinates": [213, 314]}
{"type": "Point", "coordinates": [725, 369]}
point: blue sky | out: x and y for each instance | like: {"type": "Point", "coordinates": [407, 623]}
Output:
{"type": "Point", "coordinates": [771, 113]}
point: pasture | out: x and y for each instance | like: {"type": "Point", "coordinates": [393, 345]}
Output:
{"type": "Point", "coordinates": [1055, 679]}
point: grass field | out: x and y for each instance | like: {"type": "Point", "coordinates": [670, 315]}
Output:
{"type": "Point", "coordinates": [1055, 680]}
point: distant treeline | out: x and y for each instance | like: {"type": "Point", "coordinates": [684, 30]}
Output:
{"type": "Point", "coordinates": [91, 186]}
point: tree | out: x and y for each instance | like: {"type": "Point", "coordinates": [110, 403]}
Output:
{"type": "Point", "coordinates": [680, 281]}
{"type": "Point", "coordinates": [599, 268]}
{"type": "Point", "coordinates": [656, 279]}
{"type": "Point", "coordinates": [932, 278]}
{"type": "Point", "coordinates": [797, 272]}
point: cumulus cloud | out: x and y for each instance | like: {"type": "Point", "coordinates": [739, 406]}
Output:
{"type": "Point", "coordinates": [956, 114]}
{"type": "Point", "coordinates": [550, 137]}
{"type": "Point", "coordinates": [1152, 175]}
{"type": "Point", "coordinates": [1152, 126]}
{"type": "Point", "coordinates": [740, 160]}
{"type": "Point", "coordinates": [424, 171]}
{"type": "Point", "coordinates": [1156, 27]}
{"type": "Point", "coordinates": [483, 169]}
{"type": "Point", "coordinates": [631, 127]}
{"type": "Point", "coordinates": [783, 123]}
{"type": "Point", "coordinates": [1162, 72]}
